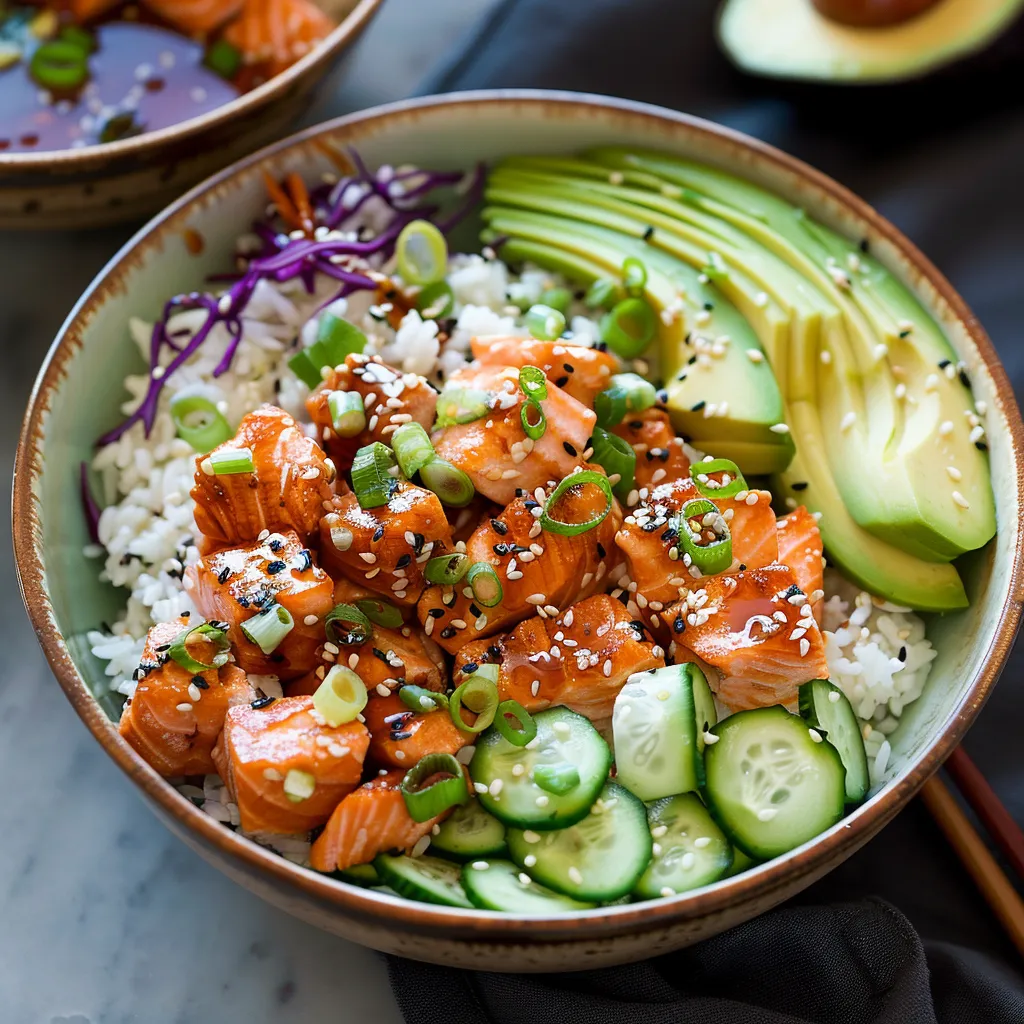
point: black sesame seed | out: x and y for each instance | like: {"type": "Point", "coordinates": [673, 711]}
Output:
{"type": "Point", "coordinates": [470, 667]}
{"type": "Point", "coordinates": [277, 657]}
{"type": "Point", "coordinates": [864, 245]}
{"type": "Point", "coordinates": [275, 567]}
{"type": "Point", "coordinates": [964, 379]}
{"type": "Point", "coordinates": [664, 454]}
{"type": "Point", "coordinates": [904, 334]}
{"type": "Point", "coordinates": [473, 610]}
{"type": "Point", "coordinates": [662, 396]}
{"type": "Point", "coordinates": [305, 560]}
{"type": "Point", "coordinates": [403, 561]}
{"type": "Point", "coordinates": [697, 408]}
{"type": "Point", "coordinates": [400, 735]}
{"type": "Point", "coordinates": [981, 446]}
{"type": "Point", "coordinates": [636, 424]}
{"type": "Point", "coordinates": [520, 493]}
{"type": "Point", "coordinates": [418, 540]}
{"type": "Point", "coordinates": [447, 633]}
{"type": "Point", "coordinates": [678, 624]}
{"type": "Point", "coordinates": [436, 613]}
{"type": "Point", "coordinates": [262, 702]}
{"type": "Point", "coordinates": [623, 598]}
{"type": "Point", "coordinates": [224, 575]}
{"type": "Point", "coordinates": [378, 534]}
{"type": "Point", "coordinates": [649, 455]}
{"type": "Point", "coordinates": [792, 591]}
{"type": "Point", "coordinates": [568, 367]}
{"type": "Point", "coordinates": [200, 682]}
{"type": "Point", "coordinates": [275, 545]}
{"type": "Point", "coordinates": [378, 653]}
{"type": "Point", "coordinates": [943, 363]}
{"type": "Point", "coordinates": [569, 449]}
{"type": "Point", "coordinates": [494, 651]}
{"type": "Point", "coordinates": [561, 381]}
{"type": "Point", "coordinates": [499, 527]}
{"type": "Point", "coordinates": [709, 306]}
{"type": "Point", "coordinates": [601, 553]}
{"type": "Point", "coordinates": [800, 485]}
{"type": "Point", "coordinates": [648, 233]}
{"type": "Point", "coordinates": [691, 360]}
{"type": "Point", "coordinates": [743, 566]}
{"type": "Point", "coordinates": [903, 654]}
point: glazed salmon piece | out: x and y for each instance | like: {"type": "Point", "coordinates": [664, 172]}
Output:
{"type": "Point", "coordinates": [580, 371]}
{"type": "Point", "coordinates": [399, 737]}
{"type": "Point", "coordinates": [173, 719]}
{"type": "Point", "coordinates": [385, 548]}
{"type": "Point", "coordinates": [390, 399]}
{"type": "Point", "coordinates": [262, 746]}
{"type": "Point", "coordinates": [235, 584]}
{"type": "Point", "coordinates": [494, 450]}
{"type": "Point", "coordinates": [369, 821]}
{"type": "Point", "coordinates": [660, 455]}
{"type": "Point", "coordinates": [287, 491]}
{"type": "Point", "coordinates": [194, 17]}
{"type": "Point", "coordinates": [536, 568]}
{"type": "Point", "coordinates": [800, 548]}
{"type": "Point", "coordinates": [277, 32]}
{"type": "Point", "coordinates": [758, 630]}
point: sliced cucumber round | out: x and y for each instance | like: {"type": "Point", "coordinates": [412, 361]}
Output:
{"type": "Point", "coordinates": [500, 885]}
{"type": "Point", "coordinates": [827, 709]}
{"type": "Point", "coordinates": [426, 879]}
{"type": "Point", "coordinates": [598, 859]}
{"type": "Point", "coordinates": [690, 850]}
{"type": "Point", "coordinates": [469, 833]}
{"type": "Point", "coordinates": [769, 784]}
{"type": "Point", "coordinates": [359, 874]}
{"type": "Point", "coordinates": [658, 726]}
{"type": "Point", "coordinates": [740, 862]}
{"type": "Point", "coordinates": [503, 772]}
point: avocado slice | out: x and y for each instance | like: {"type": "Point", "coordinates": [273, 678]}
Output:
{"type": "Point", "coordinates": [790, 39]}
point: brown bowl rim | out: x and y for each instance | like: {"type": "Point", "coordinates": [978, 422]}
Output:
{"type": "Point", "coordinates": [777, 876]}
{"type": "Point", "coordinates": [91, 157]}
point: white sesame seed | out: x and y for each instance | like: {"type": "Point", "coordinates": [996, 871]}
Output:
{"type": "Point", "coordinates": [530, 836]}
{"type": "Point", "coordinates": [826, 356]}
{"type": "Point", "coordinates": [480, 865]}
{"type": "Point", "coordinates": [542, 801]}
{"type": "Point", "coordinates": [805, 646]}
{"type": "Point", "coordinates": [575, 876]}
{"type": "Point", "coordinates": [961, 500]}
{"type": "Point", "coordinates": [479, 787]}
{"type": "Point", "coordinates": [834, 696]}
{"type": "Point", "coordinates": [495, 787]}
{"type": "Point", "coordinates": [194, 692]}
{"type": "Point", "coordinates": [946, 428]}
{"type": "Point", "coordinates": [848, 420]}
{"type": "Point", "coordinates": [954, 473]}
{"type": "Point", "coordinates": [183, 707]}
{"type": "Point", "coordinates": [687, 861]}
{"type": "Point", "coordinates": [755, 355]}
{"type": "Point", "coordinates": [529, 860]}
{"type": "Point", "coordinates": [667, 891]}
{"type": "Point", "coordinates": [701, 842]}
{"type": "Point", "coordinates": [766, 813]}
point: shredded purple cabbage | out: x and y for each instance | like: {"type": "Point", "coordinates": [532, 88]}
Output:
{"type": "Point", "coordinates": [283, 258]}
{"type": "Point", "coordinates": [89, 504]}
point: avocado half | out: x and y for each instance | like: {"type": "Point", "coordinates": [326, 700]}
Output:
{"type": "Point", "coordinates": [791, 39]}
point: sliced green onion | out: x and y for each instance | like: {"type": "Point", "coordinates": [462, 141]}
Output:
{"type": "Point", "coordinates": [601, 294]}
{"type": "Point", "coordinates": [299, 785]}
{"type": "Point", "coordinates": [615, 456]}
{"type": "Point", "coordinates": [357, 629]}
{"type": "Point", "coordinates": [59, 64]}
{"type": "Point", "coordinates": [485, 583]}
{"type": "Point", "coordinates": [422, 253]}
{"type": "Point", "coordinates": [341, 697]}
{"type": "Point", "coordinates": [480, 695]}
{"type": "Point", "coordinates": [488, 672]}
{"type": "Point", "coordinates": [558, 779]}
{"type": "Point", "coordinates": [629, 328]}
{"type": "Point", "coordinates": [336, 339]}
{"type": "Point", "coordinates": [199, 422]}
{"type": "Point", "coordinates": [583, 478]}
{"type": "Point", "coordinates": [726, 485]}
{"type": "Point", "coordinates": [709, 555]}
{"type": "Point", "coordinates": [545, 323]}
{"type": "Point", "coordinates": [527, 727]}
{"type": "Point", "coordinates": [223, 59]}
{"type": "Point", "coordinates": [302, 366]}
{"type": "Point", "coordinates": [228, 461]}
{"type": "Point", "coordinates": [446, 570]}
{"type": "Point", "coordinates": [461, 405]}
{"type": "Point", "coordinates": [436, 301]}
{"type": "Point", "coordinates": [557, 298]}
{"type": "Point", "coordinates": [348, 415]}
{"type": "Point", "coordinates": [634, 276]}
{"type": "Point", "coordinates": [120, 126]}
{"type": "Point", "coordinates": [269, 628]}
{"type": "Point", "coordinates": [449, 483]}
{"type": "Point", "coordinates": [533, 419]}
{"type": "Point", "coordinates": [380, 613]}
{"type": "Point", "coordinates": [626, 393]}
{"type": "Point", "coordinates": [426, 802]}
{"type": "Point", "coordinates": [371, 477]}
{"type": "Point", "coordinates": [534, 383]}
{"type": "Point", "coordinates": [420, 699]}
{"type": "Point", "coordinates": [211, 633]}
{"type": "Point", "coordinates": [413, 449]}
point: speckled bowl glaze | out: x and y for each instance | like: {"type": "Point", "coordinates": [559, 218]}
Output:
{"type": "Point", "coordinates": [121, 181]}
{"type": "Point", "coordinates": [78, 392]}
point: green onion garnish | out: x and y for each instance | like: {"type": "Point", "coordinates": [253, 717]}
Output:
{"type": "Point", "coordinates": [59, 64]}
{"type": "Point", "coordinates": [634, 276]}
{"type": "Point", "coordinates": [557, 298]}
{"type": "Point", "coordinates": [371, 477]}
{"type": "Point", "coordinates": [583, 478]}
{"type": "Point", "coordinates": [601, 294]}
{"type": "Point", "coordinates": [413, 449]}
{"type": "Point", "coordinates": [449, 483]}
{"type": "Point", "coordinates": [357, 629]}
{"type": "Point", "coordinates": [267, 629]}
{"type": "Point", "coordinates": [480, 695]}
{"type": "Point", "coordinates": [336, 339]}
{"type": "Point", "coordinates": [626, 392]}
{"type": "Point", "coordinates": [545, 323]}
{"type": "Point", "coordinates": [489, 672]}
{"type": "Point", "coordinates": [348, 416]}
{"type": "Point", "coordinates": [485, 583]}
{"type": "Point", "coordinates": [461, 405]}
{"type": "Point", "coordinates": [380, 613]}
{"type": "Point", "coordinates": [302, 366]}
{"type": "Point", "coordinates": [341, 697]}
{"type": "Point", "coordinates": [299, 785]}
{"type": "Point", "coordinates": [533, 383]}
{"type": "Point", "coordinates": [223, 59]}
{"type": "Point", "coordinates": [228, 461]}
{"type": "Point", "coordinates": [420, 699]}
{"type": "Point", "coordinates": [422, 253]}
{"type": "Point", "coordinates": [629, 328]}
{"type": "Point", "coordinates": [559, 779]}
{"type": "Point", "coordinates": [430, 801]}
{"type": "Point", "coordinates": [718, 478]}
{"type": "Point", "coordinates": [436, 301]}
{"type": "Point", "coordinates": [705, 537]}
{"type": "Point", "coordinates": [446, 570]}
{"type": "Point", "coordinates": [199, 422]}
{"type": "Point", "coordinates": [533, 419]}
{"type": "Point", "coordinates": [527, 727]}
{"type": "Point", "coordinates": [209, 632]}
{"type": "Point", "coordinates": [615, 456]}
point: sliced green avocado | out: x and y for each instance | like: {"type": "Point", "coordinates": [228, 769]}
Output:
{"type": "Point", "coordinates": [791, 39]}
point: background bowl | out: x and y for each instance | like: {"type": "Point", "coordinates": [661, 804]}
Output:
{"type": "Point", "coordinates": [78, 393]}
{"type": "Point", "coordinates": [127, 180]}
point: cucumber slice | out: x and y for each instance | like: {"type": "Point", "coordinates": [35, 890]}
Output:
{"type": "Point", "coordinates": [598, 859]}
{"type": "Point", "coordinates": [740, 862]}
{"type": "Point", "coordinates": [827, 709]}
{"type": "Point", "coordinates": [658, 728]}
{"type": "Point", "coordinates": [498, 885]}
{"type": "Point", "coordinates": [769, 784]}
{"type": "Point", "coordinates": [469, 833]}
{"type": "Point", "coordinates": [505, 771]}
{"type": "Point", "coordinates": [426, 879]}
{"type": "Point", "coordinates": [359, 874]}
{"type": "Point", "coordinates": [691, 851]}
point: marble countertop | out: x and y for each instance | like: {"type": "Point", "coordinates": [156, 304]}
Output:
{"type": "Point", "coordinates": [105, 918]}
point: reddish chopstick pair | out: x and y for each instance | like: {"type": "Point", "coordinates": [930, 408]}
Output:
{"type": "Point", "coordinates": [997, 889]}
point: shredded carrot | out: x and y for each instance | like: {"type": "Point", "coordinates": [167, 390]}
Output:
{"type": "Point", "coordinates": [300, 197]}
{"type": "Point", "coordinates": [283, 203]}
{"type": "Point", "coordinates": [336, 156]}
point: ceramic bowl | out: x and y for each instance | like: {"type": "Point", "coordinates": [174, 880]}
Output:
{"type": "Point", "coordinates": [77, 397]}
{"type": "Point", "coordinates": [131, 179]}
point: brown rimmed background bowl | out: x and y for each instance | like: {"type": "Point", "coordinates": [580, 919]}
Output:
{"type": "Point", "coordinates": [127, 180]}
{"type": "Point", "coordinates": [78, 393]}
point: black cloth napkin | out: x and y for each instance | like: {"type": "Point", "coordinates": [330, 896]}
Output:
{"type": "Point", "coordinates": [944, 160]}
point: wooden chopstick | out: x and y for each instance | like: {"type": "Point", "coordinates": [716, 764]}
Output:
{"type": "Point", "coordinates": [997, 889]}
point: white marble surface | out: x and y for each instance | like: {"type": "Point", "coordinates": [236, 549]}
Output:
{"type": "Point", "coordinates": [105, 918]}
